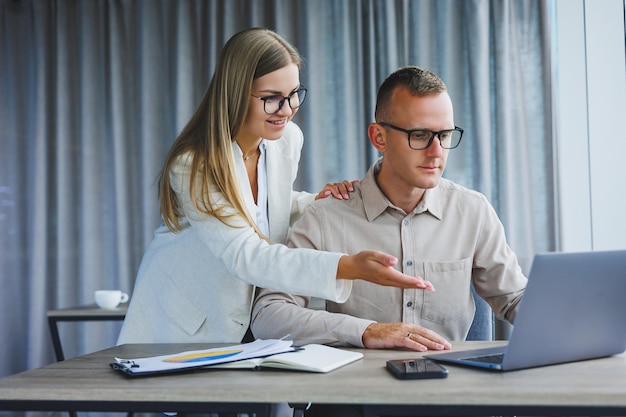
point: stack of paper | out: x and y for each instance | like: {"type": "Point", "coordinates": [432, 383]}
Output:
{"type": "Point", "coordinates": [199, 358]}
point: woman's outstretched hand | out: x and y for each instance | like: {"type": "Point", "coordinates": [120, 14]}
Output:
{"type": "Point", "coordinates": [378, 267]}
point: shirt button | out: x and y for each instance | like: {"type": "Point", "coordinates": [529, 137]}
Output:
{"type": "Point", "coordinates": [409, 263]}
{"type": "Point", "coordinates": [406, 222]}
{"type": "Point", "coordinates": [409, 304]}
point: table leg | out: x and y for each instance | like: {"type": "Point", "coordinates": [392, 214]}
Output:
{"type": "Point", "coordinates": [299, 409]}
{"type": "Point", "coordinates": [56, 340]}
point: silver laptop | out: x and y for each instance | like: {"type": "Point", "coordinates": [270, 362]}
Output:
{"type": "Point", "coordinates": [574, 308]}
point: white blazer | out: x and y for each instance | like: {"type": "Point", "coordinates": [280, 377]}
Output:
{"type": "Point", "coordinates": [198, 285]}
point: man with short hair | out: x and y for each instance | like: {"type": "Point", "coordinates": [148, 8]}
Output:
{"type": "Point", "coordinates": [438, 230]}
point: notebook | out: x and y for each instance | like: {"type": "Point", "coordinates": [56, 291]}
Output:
{"type": "Point", "coordinates": [309, 358]}
{"type": "Point", "coordinates": [573, 309]}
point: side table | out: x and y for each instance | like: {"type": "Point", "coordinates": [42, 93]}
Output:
{"type": "Point", "coordinates": [82, 313]}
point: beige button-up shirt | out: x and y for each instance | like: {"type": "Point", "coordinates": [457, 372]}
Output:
{"type": "Point", "coordinates": [452, 238]}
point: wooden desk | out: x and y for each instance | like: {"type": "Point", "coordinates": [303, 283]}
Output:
{"type": "Point", "coordinates": [82, 313]}
{"type": "Point", "coordinates": [87, 383]}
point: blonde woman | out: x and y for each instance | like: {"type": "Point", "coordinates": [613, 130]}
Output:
{"type": "Point", "coordinates": [227, 201]}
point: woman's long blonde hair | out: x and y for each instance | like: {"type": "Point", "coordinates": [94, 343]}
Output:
{"type": "Point", "coordinates": [208, 136]}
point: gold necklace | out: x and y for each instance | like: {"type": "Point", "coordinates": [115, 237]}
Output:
{"type": "Point", "coordinates": [245, 158]}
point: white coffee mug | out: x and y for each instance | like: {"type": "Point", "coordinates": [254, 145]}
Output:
{"type": "Point", "coordinates": [110, 299]}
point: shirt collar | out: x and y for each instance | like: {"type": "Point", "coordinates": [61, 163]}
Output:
{"type": "Point", "coordinates": [375, 202]}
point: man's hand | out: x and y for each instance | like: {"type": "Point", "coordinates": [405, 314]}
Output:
{"type": "Point", "coordinates": [377, 267]}
{"type": "Point", "coordinates": [339, 190]}
{"type": "Point", "coordinates": [406, 335]}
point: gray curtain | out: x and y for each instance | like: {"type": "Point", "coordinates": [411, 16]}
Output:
{"type": "Point", "coordinates": [92, 93]}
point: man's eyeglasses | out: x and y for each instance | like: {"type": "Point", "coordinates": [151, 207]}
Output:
{"type": "Point", "coordinates": [273, 104]}
{"type": "Point", "coordinates": [420, 139]}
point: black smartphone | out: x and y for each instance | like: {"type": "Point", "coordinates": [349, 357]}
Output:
{"type": "Point", "coordinates": [416, 369]}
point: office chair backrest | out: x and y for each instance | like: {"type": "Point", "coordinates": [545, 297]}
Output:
{"type": "Point", "coordinates": [482, 327]}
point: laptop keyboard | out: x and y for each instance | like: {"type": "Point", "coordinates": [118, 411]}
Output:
{"type": "Point", "coordinates": [488, 358]}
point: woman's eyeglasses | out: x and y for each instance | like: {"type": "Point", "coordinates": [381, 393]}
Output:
{"type": "Point", "coordinates": [273, 104]}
